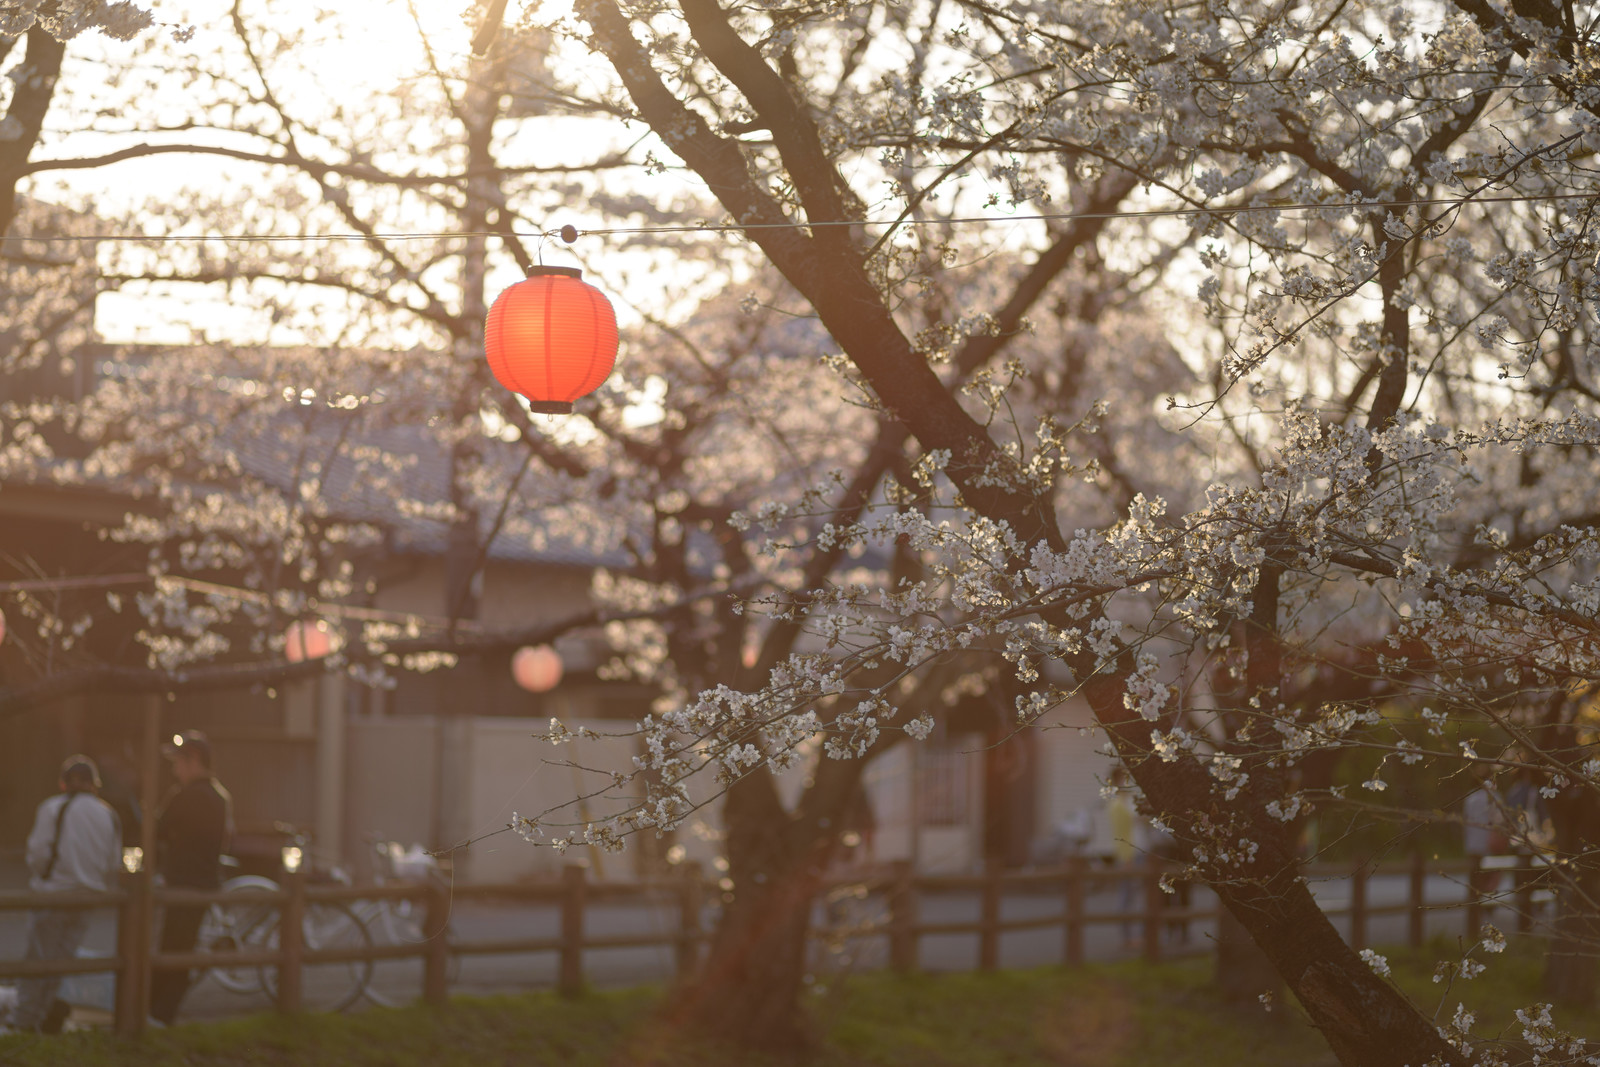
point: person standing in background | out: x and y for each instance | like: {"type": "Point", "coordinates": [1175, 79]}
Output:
{"type": "Point", "coordinates": [76, 844]}
{"type": "Point", "coordinates": [194, 828]}
{"type": "Point", "coordinates": [1128, 842]}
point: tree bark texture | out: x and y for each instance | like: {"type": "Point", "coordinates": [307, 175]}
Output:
{"type": "Point", "coordinates": [35, 80]}
{"type": "Point", "coordinates": [1366, 1021]}
{"type": "Point", "coordinates": [748, 990]}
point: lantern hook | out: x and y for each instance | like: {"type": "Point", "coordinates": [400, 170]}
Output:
{"type": "Point", "coordinates": [568, 233]}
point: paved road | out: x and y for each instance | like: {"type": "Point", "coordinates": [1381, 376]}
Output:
{"type": "Point", "coordinates": [487, 921]}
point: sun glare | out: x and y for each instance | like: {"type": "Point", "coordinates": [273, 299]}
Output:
{"type": "Point", "coordinates": [376, 44]}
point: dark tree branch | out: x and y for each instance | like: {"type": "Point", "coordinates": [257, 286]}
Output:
{"type": "Point", "coordinates": [826, 269]}
{"type": "Point", "coordinates": [34, 83]}
{"type": "Point", "coordinates": [316, 168]}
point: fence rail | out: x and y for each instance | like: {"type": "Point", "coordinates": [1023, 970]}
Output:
{"type": "Point", "coordinates": [900, 890]}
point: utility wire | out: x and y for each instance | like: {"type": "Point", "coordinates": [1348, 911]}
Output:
{"type": "Point", "coordinates": [729, 227]}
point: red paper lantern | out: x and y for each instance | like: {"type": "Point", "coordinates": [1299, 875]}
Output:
{"type": "Point", "coordinates": [307, 640]}
{"type": "Point", "coordinates": [552, 338]}
{"type": "Point", "coordinates": [536, 668]}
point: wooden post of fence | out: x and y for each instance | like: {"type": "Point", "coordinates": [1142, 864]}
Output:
{"type": "Point", "coordinates": [436, 954]}
{"type": "Point", "coordinates": [291, 940]}
{"type": "Point", "coordinates": [691, 903]}
{"type": "Point", "coordinates": [1475, 895]}
{"type": "Point", "coordinates": [1358, 907]}
{"type": "Point", "coordinates": [140, 913]}
{"type": "Point", "coordinates": [569, 981]}
{"type": "Point", "coordinates": [1072, 935]}
{"type": "Point", "coordinates": [1415, 899]}
{"type": "Point", "coordinates": [133, 945]}
{"type": "Point", "coordinates": [1154, 904]}
{"type": "Point", "coordinates": [902, 920]}
{"type": "Point", "coordinates": [1524, 886]}
{"type": "Point", "coordinates": [989, 916]}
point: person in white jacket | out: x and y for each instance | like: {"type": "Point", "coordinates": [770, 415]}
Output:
{"type": "Point", "coordinates": [76, 844]}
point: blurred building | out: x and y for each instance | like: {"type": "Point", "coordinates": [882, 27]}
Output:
{"type": "Point", "coordinates": [437, 757]}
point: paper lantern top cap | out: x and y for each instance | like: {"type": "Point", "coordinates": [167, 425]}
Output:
{"type": "Point", "coordinates": [566, 272]}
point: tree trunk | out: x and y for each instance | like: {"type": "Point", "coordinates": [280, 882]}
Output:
{"type": "Point", "coordinates": [1244, 973]}
{"type": "Point", "coordinates": [30, 98]}
{"type": "Point", "coordinates": [748, 991]}
{"type": "Point", "coordinates": [1572, 964]}
{"type": "Point", "coordinates": [1366, 1021]}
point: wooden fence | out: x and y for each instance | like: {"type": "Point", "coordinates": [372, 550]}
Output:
{"type": "Point", "coordinates": [574, 892]}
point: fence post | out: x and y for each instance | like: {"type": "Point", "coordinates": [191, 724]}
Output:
{"type": "Point", "coordinates": [902, 920]}
{"type": "Point", "coordinates": [1154, 904]}
{"type": "Point", "coordinates": [1415, 900]}
{"type": "Point", "coordinates": [1072, 947]}
{"type": "Point", "coordinates": [141, 911]}
{"type": "Point", "coordinates": [436, 951]}
{"type": "Point", "coordinates": [691, 903]}
{"type": "Point", "coordinates": [1358, 907]}
{"type": "Point", "coordinates": [291, 941]}
{"type": "Point", "coordinates": [570, 978]}
{"type": "Point", "coordinates": [1475, 895]}
{"type": "Point", "coordinates": [989, 915]}
{"type": "Point", "coordinates": [133, 945]}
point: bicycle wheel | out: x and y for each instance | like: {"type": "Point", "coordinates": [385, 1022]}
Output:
{"type": "Point", "coordinates": [243, 924]}
{"type": "Point", "coordinates": [399, 922]}
{"type": "Point", "coordinates": [327, 986]}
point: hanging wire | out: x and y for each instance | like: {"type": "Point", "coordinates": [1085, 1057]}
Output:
{"type": "Point", "coordinates": [570, 233]}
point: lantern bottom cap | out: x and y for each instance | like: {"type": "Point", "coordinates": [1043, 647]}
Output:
{"type": "Point", "coordinates": [550, 407]}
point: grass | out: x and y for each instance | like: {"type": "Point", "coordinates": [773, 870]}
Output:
{"type": "Point", "coordinates": [1114, 1015]}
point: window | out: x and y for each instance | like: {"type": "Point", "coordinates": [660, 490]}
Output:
{"type": "Point", "coordinates": [943, 792]}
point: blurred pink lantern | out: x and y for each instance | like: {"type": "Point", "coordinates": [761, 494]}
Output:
{"type": "Point", "coordinates": [305, 640]}
{"type": "Point", "coordinates": [2, 626]}
{"type": "Point", "coordinates": [537, 668]}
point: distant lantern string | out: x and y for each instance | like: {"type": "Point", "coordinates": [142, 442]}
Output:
{"type": "Point", "coordinates": [570, 233]}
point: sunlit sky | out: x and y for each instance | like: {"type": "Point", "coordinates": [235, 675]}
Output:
{"type": "Point", "coordinates": [367, 49]}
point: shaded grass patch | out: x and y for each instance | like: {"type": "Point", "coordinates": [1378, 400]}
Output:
{"type": "Point", "coordinates": [1107, 1015]}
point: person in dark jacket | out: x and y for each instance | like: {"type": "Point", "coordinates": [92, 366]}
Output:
{"type": "Point", "coordinates": [193, 830]}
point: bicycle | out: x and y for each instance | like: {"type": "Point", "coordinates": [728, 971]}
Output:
{"type": "Point", "coordinates": [242, 925]}
{"type": "Point", "coordinates": [325, 925]}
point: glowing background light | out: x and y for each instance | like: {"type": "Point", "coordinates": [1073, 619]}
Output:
{"type": "Point", "coordinates": [305, 640]}
{"type": "Point", "coordinates": [536, 668]}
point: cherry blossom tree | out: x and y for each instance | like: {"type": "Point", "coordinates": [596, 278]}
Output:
{"type": "Point", "coordinates": [1227, 367]}
{"type": "Point", "coordinates": [1351, 556]}
{"type": "Point", "coordinates": [750, 421]}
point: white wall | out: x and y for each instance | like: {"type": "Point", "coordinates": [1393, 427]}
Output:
{"type": "Point", "coordinates": [1072, 771]}
{"type": "Point", "coordinates": [391, 784]}
{"type": "Point", "coordinates": [483, 769]}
